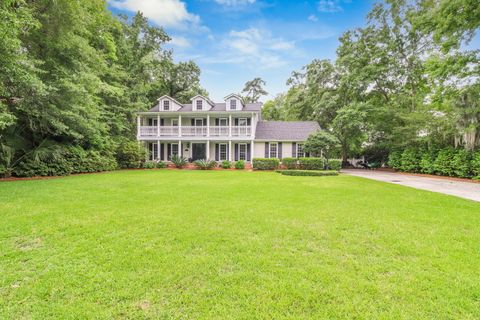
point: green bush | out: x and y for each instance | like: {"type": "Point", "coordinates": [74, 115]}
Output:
{"type": "Point", "coordinates": [265, 163]}
{"type": "Point", "coordinates": [427, 162]}
{"type": "Point", "coordinates": [226, 164]}
{"type": "Point", "coordinates": [311, 163]}
{"type": "Point", "coordinates": [394, 160]}
{"type": "Point", "coordinates": [410, 160]}
{"type": "Point", "coordinates": [130, 154]}
{"type": "Point", "coordinates": [161, 165]}
{"type": "Point", "coordinates": [149, 165]}
{"type": "Point", "coordinates": [476, 165]}
{"type": "Point", "coordinates": [443, 164]}
{"type": "Point", "coordinates": [462, 164]}
{"type": "Point", "coordinates": [240, 165]}
{"type": "Point", "coordinates": [334, 164]}
{"type": "Point", "coordinates": [205, 164]}
{"type": "Point", "coordinates": [179, 161]}
{"type": "Point", "coordinates": [308, 172]}
{"type": "Point", "coordinates": [290, 163]}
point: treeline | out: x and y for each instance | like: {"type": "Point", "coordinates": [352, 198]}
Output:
{"type": "Point", "coordinates": [406, 80]}
{"type": "Point", "coordinates": [72, 77]}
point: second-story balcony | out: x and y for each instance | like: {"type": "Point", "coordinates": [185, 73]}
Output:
{"type": "Point", "coordinates": [194, 131]}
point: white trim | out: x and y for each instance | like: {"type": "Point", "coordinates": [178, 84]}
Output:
{"type": "Point", "coordinates": [246, 151]}
{"type": "Point", "coordinates": [220, 122]}
{"type": "Point", "coordinates": [220, 151]}
{"type": "Point", "coordinates": [270, 144]}
{"type": "Point", "coordinates": [195, 122]}
{"type": "Point", "coordinates": [296, 146]}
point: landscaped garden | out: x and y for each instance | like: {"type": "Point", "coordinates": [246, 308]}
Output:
{"type": "Point", "coordinates": [192, 244]}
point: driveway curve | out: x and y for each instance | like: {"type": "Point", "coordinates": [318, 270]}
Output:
{"type": "Point", "coordinates": [466, 190]}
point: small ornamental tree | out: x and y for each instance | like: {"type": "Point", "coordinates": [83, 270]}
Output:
{"type": "Point", "coordinates": [322, 143]}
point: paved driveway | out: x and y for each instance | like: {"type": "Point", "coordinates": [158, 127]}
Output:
{"type": "Point", "coordinates": [467, 190]}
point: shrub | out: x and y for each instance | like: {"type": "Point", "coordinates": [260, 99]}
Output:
{"type": "Point", "coordinates": [161, 165]}
{"type": "Point", "coordinates": [240, 165]}
{"type": "Point", "coordinates": [462, 164]}
{"type": "Point", "coordinates": [226, 164]}
{"type": "Point", "coordinates": [427, 162]}
{"type": "Point", "coordinates": [179, 161]}
{"type": "Point", "coordinates": [334, 164]}
{"type": "Point", "coordinates": [130, 155]}
{"type": "Point", "coordinates": [290, 163]}
{"type": "Point", "coordinates": [443, 164]}
{"type": "Point", "coordinates": [308, 172]}
{"type": "Point", "coordinates": [394, 160]}
{"type": "Point", "coordinates": [410, 160]}
{"type": "Point", "coordinates": [265, 163]}
{"type": "Point", "coordinates": [476, 165]}
{"type": "Point", "coordinates": [205, 164]}
{"type": "Point", "coordinates": [149, 165]}
{"type": "Point", "coordinates": [311, 163]}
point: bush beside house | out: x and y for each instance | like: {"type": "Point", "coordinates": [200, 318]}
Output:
{"type": "Point", "coordinates": [265, 163]}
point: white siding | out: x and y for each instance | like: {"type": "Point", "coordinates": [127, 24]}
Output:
{"type": "Point", "coordinates": [286, 149]}
{"type": "Point", "coordinates": [239, 104]}
{"type": "Point", "coordinates": [173, 106]}
{"type": "Point", "coordinates": [259, 150]}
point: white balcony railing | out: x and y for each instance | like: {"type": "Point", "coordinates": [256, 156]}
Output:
{"type": "Point", "coordinates": [195, 131]}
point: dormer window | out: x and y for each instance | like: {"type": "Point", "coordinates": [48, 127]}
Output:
{"type": "Point", "coordinates": [233, 104]}
{"type": "Point", "coordinates": [166, 105]}
{"type": "Point", "coordinates": [199, 104]}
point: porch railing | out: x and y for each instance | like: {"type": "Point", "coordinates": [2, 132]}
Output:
{"type": "Point", "coordinates": [194, 131]}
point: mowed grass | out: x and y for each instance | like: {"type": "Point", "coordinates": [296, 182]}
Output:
{"type": "Point", "coordinates": [235, 245]}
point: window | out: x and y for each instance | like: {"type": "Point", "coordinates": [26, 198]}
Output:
{"type": "Point", "coordinates": [242, 151]}
{"type": "Point", "coordinates": [174, 122]}
{"type": "Point", "coordinates": [300, 152]}
{"type": "Point", "coordinates": [166, 105]}
{"type": "Point", "coordinates": [199, 104]}
{"type": "Point", "coordinates": [174, 149]}
{"type": "Point", "coordinates": [222, 122]}
{"type": "Point", "coordinates": [273, 150]}
{"type": "Point", "coordinates": [242, 121]}
{"type": "Point", "coordinates": [223, 151]}
{"type": "Point", "coordinates": [233, 104]}
{"type": "Point", "coordinates": [198, 122]}
{"type": "Point", "coordinates": [152, 122]}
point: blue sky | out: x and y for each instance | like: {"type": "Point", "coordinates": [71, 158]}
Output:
{"type": "Point", "coordinates": [234, 41]}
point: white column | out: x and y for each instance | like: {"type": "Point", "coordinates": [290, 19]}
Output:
{"type": "Point", "coordinates": [207, 156]}
{"type": "Point", "coordinates": [251, 150]}
{"type": "Point", "coordinates": [179, 125]}
{"type": "Point", "coordinates": [208, 126]}
{"type": "Point", "coordinates": [229, 150]}
{"type": "Point", "coordinates": [158, 125]}
{"type": "Point", "coordinates": [139, 124]}
{"type": "Point", "coordinates": [158, 149]}
{"type": "Point", "coordinates": [230, 125]}
{"type": "Point", "coordinates": [180, 153]}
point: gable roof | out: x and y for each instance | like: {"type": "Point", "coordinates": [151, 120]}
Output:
{"type": "Point", "coordinates": [187, 107]}
{"type": "Point", "coordinates": [204, 98]}
{"type": "Point", "coordinates": [285, 130]}
{"type": "Point", "coordinates": [233, 95]}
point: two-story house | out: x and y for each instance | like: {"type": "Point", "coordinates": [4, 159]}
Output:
{"type": "Point", "coordinates": [229, 130]}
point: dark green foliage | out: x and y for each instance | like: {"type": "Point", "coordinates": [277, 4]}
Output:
{"type": "Point", "coordinates": [476, 164]}
{"type": "Point", "coordinates": [240, 165]}
{"type": "Point", "coordinates": [161, 165]}
{"type": "Point", "coordinates": [290, 163]}
{"type": "Point", "coordinates": [311, 163]}
{"type": "Point", "coordinates": [131, 154]}
{"type": "Point", "coordinates": [462, 164]}
{"type": "Point", "coordinates": [179, 161]}
{"type": "Point", "coordinates": [205, 164]}
{"type": "Point", "coordinates": [265, 163]}
{"type": "Point", "coordinates": [334, 164]}
{"type": "Point", "coordinates": [427, 162]}
{"type": "Point", "coordinates": [395, 160]}
{"type": "Point", "coordinates": [226, 164]}
{"type": "Point", "coordinates": [410, 160]}
{"type": "Point", "coordinates": [444, 162]}
{"type": "Point", "coordinates": [308, 172]}
{"type": "Point", "coordinates": [149, 165]}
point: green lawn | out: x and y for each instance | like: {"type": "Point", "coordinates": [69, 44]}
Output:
{"type": "Point", "coordinates": [235, 245]}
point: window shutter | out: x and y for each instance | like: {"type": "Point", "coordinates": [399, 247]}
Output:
{"type": "Point", "coordinates": [279, 150]}
{"type": "Point", "coordinates": [169, 150]}
{"type": "Point", "coordinates": [266, 150]}
{"type": "Point", "coordinates": [162, 122]}
{"type": "Point", "coordinates": [162, 151]}
{"type": "Point", "coordinates": [248, 151]}
{"type": "Point", "coordinates": [228, 153]}
{"type": "Point", "coordinates": [236, 151]}
{"type": "Point", "coordinates": [180, 151]}
{"type": "Point", "coordinates": [217, 152]}
{"type": "Point", "coordinates": [204, 121]}
{"type": "Point", "coordinates": [192, 121]}
{"type": "Point", "coordinates": [217, 122]}
{"type": "Point", "coordinates": [294, 149]}
{"type": "Point", "coordinates": [236, 121]}
{"type": "Point", "coordinates": [248, 121]}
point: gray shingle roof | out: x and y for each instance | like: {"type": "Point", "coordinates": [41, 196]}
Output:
{"type": "Point", "coordinates": [285, 130]}
{"type": "Point", "coordinates": [187, 107]}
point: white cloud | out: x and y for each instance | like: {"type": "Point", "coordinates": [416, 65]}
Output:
{"type": "Point", "coordinates": [178, 41]}
{"type": "Point", "coordinates": [166, 13]}
{"type": "Point", "coordinates": [329, 6]}
{"type": "Point", "coordinates": [312, 17]}
{"type": "Point", "coordinates": [234, 3]}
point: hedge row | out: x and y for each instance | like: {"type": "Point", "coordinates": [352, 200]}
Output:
{"type": "Point", "coordinates": [297, 163]}
{"type": "Point", "coordinates": [445, 162]}
{"type": "Point", "coordinates": [308, 172]}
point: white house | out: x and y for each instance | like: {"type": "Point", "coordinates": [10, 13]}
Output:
{"type": "Point", "coordinates": [229, 130]}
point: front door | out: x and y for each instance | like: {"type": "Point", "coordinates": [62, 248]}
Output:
{"type": "Point", "coordinates": [199, 151]}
